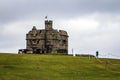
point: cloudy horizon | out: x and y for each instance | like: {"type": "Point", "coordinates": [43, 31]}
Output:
{"type": "Point", "coordinates": [91, 24]}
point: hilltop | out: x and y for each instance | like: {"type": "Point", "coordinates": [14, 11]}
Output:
{"type": "Point", "coordinates": [57, 67]}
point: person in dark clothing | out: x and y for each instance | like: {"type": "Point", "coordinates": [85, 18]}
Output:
{"type": "Point", "coordinates": [97, 53]}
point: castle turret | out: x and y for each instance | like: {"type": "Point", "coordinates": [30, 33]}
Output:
{"type": "Point", "coordinates": [48, 24]}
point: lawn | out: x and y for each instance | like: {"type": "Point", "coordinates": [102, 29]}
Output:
{"type": "Point", "coordinates": [57, 67]}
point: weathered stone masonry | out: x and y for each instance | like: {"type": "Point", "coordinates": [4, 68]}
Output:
{"type": "Point", "coordinates": [46, 40]}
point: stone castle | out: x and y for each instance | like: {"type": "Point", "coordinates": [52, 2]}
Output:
{"type": "Point", "coordinates": [46, 40]}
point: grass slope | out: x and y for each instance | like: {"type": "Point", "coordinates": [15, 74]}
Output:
{"type": "Point", "coordinates": [57, 67]}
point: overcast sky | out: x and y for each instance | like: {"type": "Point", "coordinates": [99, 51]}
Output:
{"type": "Point", "coordinates": [91, 24]}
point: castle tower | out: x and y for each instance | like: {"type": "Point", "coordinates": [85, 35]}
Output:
{"type": "Point", "coordinates": [46, 40]}
{"type": "Point", "coordinates": [48, 24]}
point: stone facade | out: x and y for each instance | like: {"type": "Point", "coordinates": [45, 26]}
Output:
{"type": "Point", "coordinates": [46, 40]}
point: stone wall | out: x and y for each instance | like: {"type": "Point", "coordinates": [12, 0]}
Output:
{"type": "Point", "coordinates": [47, 40]}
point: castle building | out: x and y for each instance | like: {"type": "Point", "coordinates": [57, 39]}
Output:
{"type": "Point", "coordinates": [46, 40]}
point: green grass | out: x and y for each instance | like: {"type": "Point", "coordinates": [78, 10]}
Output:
{"type": "Point", "coordinates": [57, 67]}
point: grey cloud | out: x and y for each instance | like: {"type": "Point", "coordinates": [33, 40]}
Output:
{"type": "Point", "coordinates": [24, 10]}
{"type": "Point", "coordinates": [17, 9]}
{"type": "Point", "coordinates": [101, 5]}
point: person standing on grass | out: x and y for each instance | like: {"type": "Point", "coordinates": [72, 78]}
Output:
{"type": "Point", "coordinates": [97, 53]}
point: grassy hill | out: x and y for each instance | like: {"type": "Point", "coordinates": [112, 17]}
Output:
{"type": "Point", "coordinates": [57, 67]}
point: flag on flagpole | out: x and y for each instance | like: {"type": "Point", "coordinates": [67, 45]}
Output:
{"type": "Point", "coordinates": [46, 17]}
